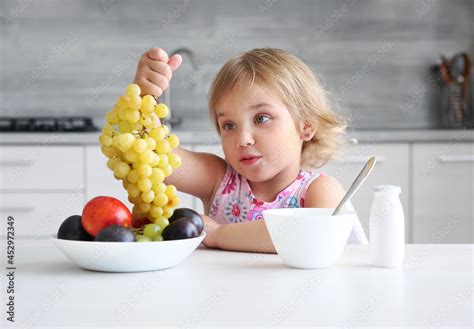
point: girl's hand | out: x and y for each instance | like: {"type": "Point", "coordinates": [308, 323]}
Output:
{"type": "Point", "coordinates": [154, 71]}
{"type": "Point", "coordinates": [211, 228]}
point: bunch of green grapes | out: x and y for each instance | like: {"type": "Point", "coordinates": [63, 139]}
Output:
{"type": "Point", "coordinates": [139, 151]}
{"type": "Point", "coordinates": [151, 232]}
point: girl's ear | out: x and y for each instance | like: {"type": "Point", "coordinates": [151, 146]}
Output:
{"type": "Point", "coordinates": [307, 131]}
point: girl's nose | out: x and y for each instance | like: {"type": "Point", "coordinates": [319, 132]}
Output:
{"type": "Point", "coordinates": [245, 139]}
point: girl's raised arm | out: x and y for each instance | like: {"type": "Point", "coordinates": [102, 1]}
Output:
{"type": "Point", "coordinates": [200, 173]}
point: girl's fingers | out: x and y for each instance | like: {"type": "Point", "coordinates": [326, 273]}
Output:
{"type": "Point", "coordinates": [175, 61]}
{"type": "Point", "coordinates": [157, 54]}
{"type": "Point", "coordinates": [160, 68]}
{"type": "Point", "coordinates": [158, 79]}
{"type": "Point", "coordinates": [155, 70]}
{"type": "Point", "coordinates": [149, 88]}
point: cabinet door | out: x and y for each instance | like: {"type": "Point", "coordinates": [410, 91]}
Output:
{"type": "Point", "coordinates": [41, 167]}
{"type": "Point", "coordinates": [443, 193]}
{"type": "Point", "coordinates": [207, 148]}
{"type": "Point", "coordinates": [37, 215]}
{"type": "Point", "coordinates": [101, 181]}
{"type": "Point", "coordinates": [391, 168]}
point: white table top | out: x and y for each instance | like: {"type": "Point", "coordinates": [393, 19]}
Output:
{"type": "Point", "coordinates": [220, 288]}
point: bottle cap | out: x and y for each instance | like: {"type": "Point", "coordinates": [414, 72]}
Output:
{"type": "Point", "coordinates": [386, 189]}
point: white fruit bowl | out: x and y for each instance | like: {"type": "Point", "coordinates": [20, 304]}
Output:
{"type": "Point", "coordinates": [308, 237]}
{"type": "Point", "coordinates": [127, 256]}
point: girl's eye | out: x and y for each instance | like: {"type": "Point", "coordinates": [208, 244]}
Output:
{"type": "Point", "coordinates": [261, 118]}
{"type": "Point", "coordinates": [228, 126]}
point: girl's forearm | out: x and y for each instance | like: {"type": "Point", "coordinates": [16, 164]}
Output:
{"type": "Point", "coordinates": [247, 236]}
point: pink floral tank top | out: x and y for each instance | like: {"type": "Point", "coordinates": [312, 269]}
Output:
{"type": "Point", "coordinates": [234, 201]}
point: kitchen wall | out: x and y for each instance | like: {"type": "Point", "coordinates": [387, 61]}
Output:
{"type": "Point", "coordinates": [75, 57]}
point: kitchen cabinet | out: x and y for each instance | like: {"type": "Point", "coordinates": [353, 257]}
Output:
{"type": "Point", "coordinates": [40, 186]}
{"type": "Point", "coordinates": [37, 215]}
{"type": "Point", "coordinates": [41, 167]}
{"type": "Point", "coordinates": [101, 181]}
{"type": "Point", "coordinates": [443, 183]}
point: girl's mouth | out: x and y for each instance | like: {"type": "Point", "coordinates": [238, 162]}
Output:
{"type": "Point", "coordinates": [250, 160]}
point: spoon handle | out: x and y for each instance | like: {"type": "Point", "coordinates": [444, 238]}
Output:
{"type": "Point", "coordinates": [356, 184]}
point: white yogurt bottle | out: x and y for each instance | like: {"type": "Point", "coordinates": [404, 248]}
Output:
{"type": "Point", "coordinates": [387, 227]}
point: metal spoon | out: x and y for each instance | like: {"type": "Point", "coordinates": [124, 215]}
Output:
{"type": "Point", "coordinates": [356, 184]}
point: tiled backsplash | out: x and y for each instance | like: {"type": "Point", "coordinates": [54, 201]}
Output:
{"type": "Point", "coordinates": [75, 57]}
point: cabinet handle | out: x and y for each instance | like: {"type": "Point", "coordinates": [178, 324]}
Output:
{"type": "Point", "coordinates": [16, 164]}
{"type": "Point", "coordinates": [361, 159]}
{"type": "Point", "coordinates": [353, 141]}
{"type": "Point", "coordinates": [10, 210]}
{"type": "Point", "coordinates": [456, 158]}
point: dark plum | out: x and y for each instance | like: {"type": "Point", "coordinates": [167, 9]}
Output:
{"type": "Point", "coordinates": [191, 215]}
{"type": "Point", "coordinates": [181, 228]}
{"type": "Point", "coordinates": [72, 229]}
{"type": "Point", "coordinates": [115, 233]}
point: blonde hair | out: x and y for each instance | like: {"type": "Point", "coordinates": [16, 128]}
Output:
{"type": "Point", "coordinates": [301, 91]}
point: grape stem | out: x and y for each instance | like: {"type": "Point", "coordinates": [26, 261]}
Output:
{"type": "Point", "coordinates": [143, 132]}
{"type": "Point", "coordinates": [137, 230]}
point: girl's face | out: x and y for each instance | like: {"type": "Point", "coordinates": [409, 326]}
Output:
{"type": "Point", "coordinates": [258, 133]}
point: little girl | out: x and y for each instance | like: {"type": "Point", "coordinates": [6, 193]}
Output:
{"type": "Point", "coordinates": [274, 120]}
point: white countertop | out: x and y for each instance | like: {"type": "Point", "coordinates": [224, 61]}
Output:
{"type": "Point", "coordinates": [211, 137]}
{"type": "Point", "coordinates": [219, 288]}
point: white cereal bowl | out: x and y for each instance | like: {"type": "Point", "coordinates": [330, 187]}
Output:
{"type": "Point", "coordinates": [308, 237]}
{"type": "Point", "coordinates": [127, 256]}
